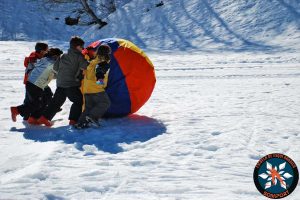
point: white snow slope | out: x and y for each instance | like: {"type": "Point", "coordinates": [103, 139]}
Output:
{"type": "Point", "coordinates": [210, 119]}
{"type": "Point", "coordinates": [35, 20]}
{"type": "Point", "coordinates": [206, 25]}
{"type": "Point", "coordinates": [177, 25]}
{"type": "Point", "coordinates": [42, 19]}
{"type": "Point", "coordinates": [227, 93]}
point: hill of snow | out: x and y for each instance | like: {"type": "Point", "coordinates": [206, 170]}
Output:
{"type": "Point", "coordinates": [177, 25]}
{"type": "Point", "coordinates": [41, 19]}
{"type": "Point", "coordinates": [34, 20]}
{"type": "Point", "coordinates": [205, 25]}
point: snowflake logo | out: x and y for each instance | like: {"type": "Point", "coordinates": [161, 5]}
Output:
{"type": "Point", "coordinates": [275, 175]}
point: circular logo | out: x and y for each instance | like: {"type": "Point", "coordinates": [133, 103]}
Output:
{"type": "Point", "coordinates": [276, 176]}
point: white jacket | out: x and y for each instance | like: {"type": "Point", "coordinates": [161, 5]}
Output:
{"type": "Point", "coordinates": [42, 73]}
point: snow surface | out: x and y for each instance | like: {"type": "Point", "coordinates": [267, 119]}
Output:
{"type": "Point", "coordinates": [227, 93]}
{"type": "Point", "coordinates": [210, 119]}
{"type": "Point", "coordinates": [42, 19]}
{"type": "Point", "coordinates": [34, 20]}
{"type": "Point", "coordinates": [205, 25]}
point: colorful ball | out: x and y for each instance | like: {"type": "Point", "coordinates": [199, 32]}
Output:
{"type": "Point", "coordinates": [131, 78]}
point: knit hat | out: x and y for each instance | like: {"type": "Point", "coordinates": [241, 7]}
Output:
{"type": "Point", "coordinates": [40, 46]}
{"type": "Point", "coordinates": [54, 52]}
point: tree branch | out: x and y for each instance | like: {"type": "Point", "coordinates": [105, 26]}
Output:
{"type": "Point", "coordinates": [92, 14]}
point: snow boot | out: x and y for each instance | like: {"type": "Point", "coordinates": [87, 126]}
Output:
{"type": "Point", "coordinates": [93, 122]}
{"type": "Point", "coordinates": [72, 122]}
{"type": "Point", "coordinates": [43, 120]}
{"type": "Point", "coordinates": [33, 121]}
{"type": "Point", "coordinates": [82, 125]}
{"type": "Point", "coordinates": [14, 113]}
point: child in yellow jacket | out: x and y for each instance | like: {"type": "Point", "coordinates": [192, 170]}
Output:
{"type": "Point", "coordinates": [93, 88]}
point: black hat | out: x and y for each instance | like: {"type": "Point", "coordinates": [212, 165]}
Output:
{"type": "Point", "coordinates": [54, 52]}
{"type": "Point", "coordinates": [40, 46]}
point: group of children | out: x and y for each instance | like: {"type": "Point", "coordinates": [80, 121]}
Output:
{"type": "Point", "coordinates": [80, 78]}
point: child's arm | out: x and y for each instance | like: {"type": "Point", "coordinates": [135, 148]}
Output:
{"type": "Point", "coordinates": [29, 68]}
{"type": "Point", "coordinates": [83, 63]}
{"type": "Point", "coordinates": [56, 65]}
{"type": "Point", "coordinates": [53, 74]}
{"type": "Point", "coordinates": [32, 58]}
{"type": "Point", "coordinates": [101, 70]}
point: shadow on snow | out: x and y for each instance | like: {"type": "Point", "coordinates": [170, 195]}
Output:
{"type": "Point", "coordinates": [134, 128]}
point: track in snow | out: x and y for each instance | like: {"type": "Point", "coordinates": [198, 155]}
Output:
{"type": "Point", "coordinates": [210, 119]}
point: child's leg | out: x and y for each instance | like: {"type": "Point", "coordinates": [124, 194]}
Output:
{"type": "Point", "coordinates": [34, 101]}
{"type": "Point", "coordinates": [75, 96]}
{"type": "Point", "coordinates": [26, 101]}
{"type": "Point", "coordinates": [88, 106]}
{"type": "Point", "coordinates": [57, 101]}
{"type": "Point", "coordinates": [101, 104]}
{"type": "Point", "coordinates": [46, 99]}
{"type": "Point", "coordinates": [47, 96]}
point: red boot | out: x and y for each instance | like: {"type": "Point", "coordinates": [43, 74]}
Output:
{"type": "Point", "coordinates": [33, 121]}
{"type": "Point", "coordinates": [14, 113]}
{"type": "Point", "coordinates": [72, 122]}
{"type": "Point", "coordinates": [45, 121]}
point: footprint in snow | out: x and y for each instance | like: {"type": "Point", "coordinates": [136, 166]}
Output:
{"type": "Point", "coordinates": [215, 133]}
{"type": "Point", "coordinates": [210, 148]}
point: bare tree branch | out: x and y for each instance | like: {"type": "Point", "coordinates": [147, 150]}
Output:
{"type": "Point", "coordinates": [92, 14]}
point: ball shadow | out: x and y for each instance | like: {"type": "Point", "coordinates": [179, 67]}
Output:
{"type": "Point", "coordinates": [108, 137]}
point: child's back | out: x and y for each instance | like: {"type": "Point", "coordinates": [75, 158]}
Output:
{"type": "Point", "coordinates": [69, 68]}
{"type": "Point", "coordinates": [40, 50]}
{"type": "Point", "coordinates": [42, 73]}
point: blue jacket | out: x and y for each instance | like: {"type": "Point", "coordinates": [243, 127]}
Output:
{"type": "Point", "coordinates": [42, 73]}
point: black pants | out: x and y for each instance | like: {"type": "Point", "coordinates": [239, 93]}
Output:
{"type": "Point", "coordinates": [31, 93]}
{"type": "Point", "coordinates": [59, 98]}
{"type": "Point", "coordinates": [34, 102]}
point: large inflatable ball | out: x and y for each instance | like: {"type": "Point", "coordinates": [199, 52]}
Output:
{"type": "Point", "coordinates": [131, 77]}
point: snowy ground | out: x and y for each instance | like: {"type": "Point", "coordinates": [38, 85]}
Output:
{"type": "Point", "coordinates": [210, 119]}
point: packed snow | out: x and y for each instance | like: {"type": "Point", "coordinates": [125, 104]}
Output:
{"type": "Point", "coordinates": [227, 94]}
{"type": "Point", "coordinates": [210, 119]}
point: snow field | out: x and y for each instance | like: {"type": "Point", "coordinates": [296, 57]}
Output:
{"type": "Point", "coordinates": [210, 119]}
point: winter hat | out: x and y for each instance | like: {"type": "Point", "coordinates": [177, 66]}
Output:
{"type": "Point", "coordinates": [40, 46]}
{"type": "Point", "coordinates": [54, 52]}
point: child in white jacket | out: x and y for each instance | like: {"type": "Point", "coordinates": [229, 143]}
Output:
{"type": "Point", "coordinates": [38, 80]}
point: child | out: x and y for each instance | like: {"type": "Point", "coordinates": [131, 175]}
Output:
{"type": "Point", "coordinates": [96, 100]}
{"type": "Point", "coordinates": [40, 50]}
{"type": "Point", "coordinates": [68, 68]}
{"type": "Point", "coordinates": [37, 81]}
